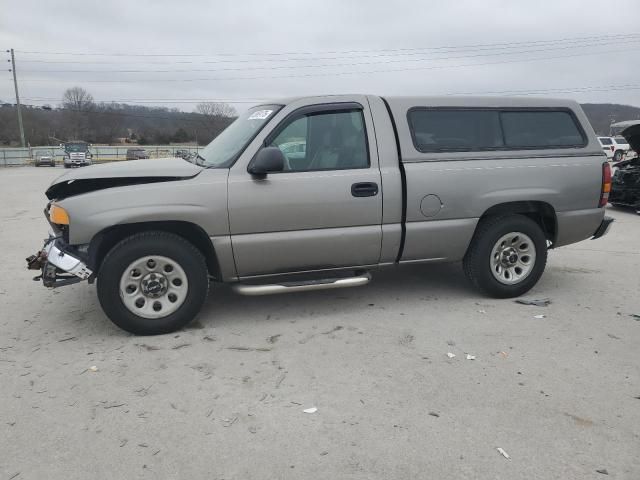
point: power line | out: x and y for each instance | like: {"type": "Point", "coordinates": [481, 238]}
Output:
{"type": "Point", "coordinates": [579, 89]}
{"type": "Point", "coordinates": [596, 41]}
{"type": "Point", "coordinates": [178, 116]}
{"type": "Point", "coordinates": [325, 74]}
{"type": "Point", "coordinates": [156, 100]}
{"type": "Point", "coordinates": [240, 69]}
{"type": "Point", "coordinates": [122, 54]}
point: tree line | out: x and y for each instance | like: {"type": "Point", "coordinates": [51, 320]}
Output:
{"type": "Point", "coordinates": [79, 117]}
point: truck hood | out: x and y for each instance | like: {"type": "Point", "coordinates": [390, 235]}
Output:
{"type": "Point", "coordinates": [118, 174]}
{"type": "Point", "coordinates": [632, 135]}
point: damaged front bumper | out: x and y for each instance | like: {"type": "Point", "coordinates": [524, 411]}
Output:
{"type": "Point", "coordinates": [59, 264]}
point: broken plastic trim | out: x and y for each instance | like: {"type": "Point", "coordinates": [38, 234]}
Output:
{"type": "Point", "coordinates": [71, 188]}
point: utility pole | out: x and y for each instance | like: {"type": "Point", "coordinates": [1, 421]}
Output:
{"type": "Point", "coordinates": [15, 84]}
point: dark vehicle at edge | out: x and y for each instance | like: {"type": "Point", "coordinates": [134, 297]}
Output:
{"type": "Point", "coordinates": [625, 187]}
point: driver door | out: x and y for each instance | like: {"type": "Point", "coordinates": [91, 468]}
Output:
{"type": "Point", "coordinates": [324, 210]}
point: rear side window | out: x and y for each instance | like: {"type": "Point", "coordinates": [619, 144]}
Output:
{"type": "Point", "coordinates": [620, 140]}
{"type": "Point", "coordinates": [605, 141]}
{"type": "Point", "coordinates": [455, 130]}
{"type": "Point", "coordinates": [459, 130]}
{"type": "Point", "coordinates": [540, 129]}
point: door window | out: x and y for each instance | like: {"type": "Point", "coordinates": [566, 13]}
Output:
{"type": "Point", "coordinates": [324, 141]}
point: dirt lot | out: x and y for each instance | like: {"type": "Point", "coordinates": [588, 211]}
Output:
{"type": "Point", "coordinates": [225, 398]}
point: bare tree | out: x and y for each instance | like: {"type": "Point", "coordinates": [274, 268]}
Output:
{"type": "Point", "coordinates": [77, 99]}
{"type": "Point", "coordinates": [211, 109]}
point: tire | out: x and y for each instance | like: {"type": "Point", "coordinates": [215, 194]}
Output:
{"type": "Point", "coordinates": [483, 268]}
{"type": "Point", "coordinates": [129, 290]}
{"type": "Point", "coordinates": [617, 156]}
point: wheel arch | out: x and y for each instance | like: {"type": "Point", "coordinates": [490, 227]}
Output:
{"type": "Point", "coordinates": [540, 212]}
{"type": "Point", "coordinates": [106, 239]}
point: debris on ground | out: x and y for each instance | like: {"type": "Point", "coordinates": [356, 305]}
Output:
{"type": "Point", "coordinates": [334, 329]}
{"type": "Point", "coordinates": [322, 454]}
{"type": "Point", "coordinates": [434, 414]}
{"type": "Point", "coordinates": [273, 338]}
{"type": "Point", "coordinates": [249, 349]}
{"type": "Point", "coordinates": [182, 345]}
{"type": "Point", "coordinates": [310, 410]}
{"type": "Point", "coordinates": [603, 471]}
{"type": "Point", "coordinates": [227, 422]}
{"type": "Point", "coordinates": [67, 339]}
{"type": "Point", "coordinates": [482, 311]}
{"type": "Point", "coordinates": [539, 316]}
{"type": "Point", "coordinates": [636, 316]}
{"type": "Point", "coordinates": [503, 453]}
{"type": "Point", "coordinates": [280, 379]}
{"type": "Point", "coordinates": [451, 355]}
{"type": "Point", "coordinates": [93, 368]}
{"type": "Point", "coordinates": [543, 302]}
{"type": "Point", "coordinates": [471, 357]}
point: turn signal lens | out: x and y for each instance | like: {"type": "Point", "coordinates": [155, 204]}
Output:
{"type": "Point", "coordinates": [58, 215]}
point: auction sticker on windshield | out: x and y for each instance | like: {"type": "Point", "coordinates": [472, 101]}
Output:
{"type": "Point", "coordinates": [260, 114]}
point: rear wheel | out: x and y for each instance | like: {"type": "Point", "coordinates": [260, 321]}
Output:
{"type": "Point", "coordinates": [153, 283]}
{"type": "Point", "coordinates": [618, 155]}
{"type": "Point", "coordinates": [507, 256]}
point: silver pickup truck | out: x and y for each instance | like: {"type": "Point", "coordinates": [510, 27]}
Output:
{"type": "Point", "coordinates": [317, 192]}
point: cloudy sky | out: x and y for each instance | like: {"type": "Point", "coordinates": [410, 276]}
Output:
{"type": "Point", "coordinates": [177, 53]}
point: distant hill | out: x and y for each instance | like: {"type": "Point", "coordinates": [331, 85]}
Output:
{"type": "Point", "coordinates": [601, 115]}
{"type": "Point", "coordinates": [157, 125]}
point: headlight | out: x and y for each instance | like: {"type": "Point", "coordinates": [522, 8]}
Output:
{"type": "Point", "coordinates": [58, 215]}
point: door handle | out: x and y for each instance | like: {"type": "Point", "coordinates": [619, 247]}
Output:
{"type": "Point", "coordinates": [364, 189]}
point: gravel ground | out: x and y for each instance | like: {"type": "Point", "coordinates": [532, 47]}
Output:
{"type": "Point", "coordinates": [225, 399]}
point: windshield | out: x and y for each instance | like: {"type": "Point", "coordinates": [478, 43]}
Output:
{"type": "Point", "coordinates": [226, 147]}
{"type": "Point", "coordinates": [76, 147]}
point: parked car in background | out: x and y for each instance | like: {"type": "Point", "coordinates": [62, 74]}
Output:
{"type": "Point", "coordinates": [621, 148]}
{"type": "Point", "coordinates": [294, 152]}
{"type": "Point", "coordinates": [136, 154]}
{"type": "Point", "coordinates": [185, 154]}
{"type": "Point", "coordinates": [607, 146]}
{"type": "Point", "coordinates": [44, 160]}
{"type": "Point", "coordinates": [76, 154]}
{"type": "Point", "coordinates": [491, 182]}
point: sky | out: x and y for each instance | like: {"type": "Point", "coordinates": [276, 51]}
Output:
{"type": "Point", "coordinates": [178, 53]}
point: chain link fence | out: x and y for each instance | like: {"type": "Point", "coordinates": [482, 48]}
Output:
{"type": "Point", "coordinates": [10, 157]}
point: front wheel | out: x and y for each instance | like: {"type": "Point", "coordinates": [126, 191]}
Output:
{"type": "Point", "coordinates": [153, 283]}
{"type": "Point", "coordinates": [507, 256]}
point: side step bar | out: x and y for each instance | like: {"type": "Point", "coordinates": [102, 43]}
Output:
{"type": "Point", "coordinates": [302, 286]}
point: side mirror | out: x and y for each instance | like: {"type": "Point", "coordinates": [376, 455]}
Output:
{"type": "Point", "coordinates": [267, 160]}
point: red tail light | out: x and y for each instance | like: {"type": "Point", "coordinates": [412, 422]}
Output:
{"type": "Point", "coordinates": [612, 148]}
{"type": "Point", "coordinates": [606, 184]}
